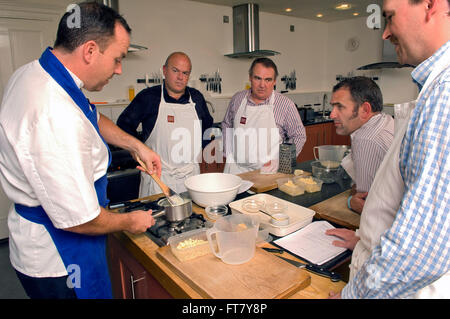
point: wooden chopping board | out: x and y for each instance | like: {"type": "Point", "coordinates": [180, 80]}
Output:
{"type": "Point", "coordinates": [263, 277]}
{"type": "Point", "coordinates": [264, 182]}
{"type": "Point", "coordinates": [335, 210]}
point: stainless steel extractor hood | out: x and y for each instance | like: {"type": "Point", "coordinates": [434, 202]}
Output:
{"type": "Point", "coordinates": [388, 61]}
{"type": "Point", "coordinates": [114, 4]}
{"type": "Point", "coordinates": [246, 33]}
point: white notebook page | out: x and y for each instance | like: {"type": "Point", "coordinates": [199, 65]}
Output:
{"type": "Point", "coordinates": [311, 243]}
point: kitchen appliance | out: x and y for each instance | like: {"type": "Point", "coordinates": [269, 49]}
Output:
{"type": "Point", "coordinates": [165, 228]}
{"type": "Point", "coordinates": [246, 33]}
{"type": "Point", "coordinates": [213, 188]}
{"type": "Point", "coordinates": [388, 61]}
{"type": "Point", "coordinates": [233, 238]}
{"type": "Point", "coordinates": [123, 177]}
{"type": "Point", "coordinates": [114, 4]}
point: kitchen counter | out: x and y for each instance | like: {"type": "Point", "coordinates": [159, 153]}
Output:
{"type": "Point", "coordinates": [144, 250]}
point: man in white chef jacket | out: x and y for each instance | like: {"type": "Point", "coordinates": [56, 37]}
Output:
{"type": "Point", "coordinates": [257, 121]}
{"type": "Point", "coordinates": [404, 249]}
{"type": "Point", "coordinates": [357, 111]}
{"type": "Point", "coordinates": [54, 157]}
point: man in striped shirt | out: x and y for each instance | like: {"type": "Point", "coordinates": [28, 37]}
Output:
{"type": "Point", "coordinates": [357, 104]}
{"type": "Point", "coordinates": [404, 249]}
{"type": "Point", "coordinates": [260, 108]}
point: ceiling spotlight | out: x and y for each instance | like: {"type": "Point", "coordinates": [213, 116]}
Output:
{"type": "Point", "coordinates": [356, 14]}
{"type": "Point", "coordinates": [343, 6]}
{"type": "Point", "coordinates": [319, 15]}
{"type": "Point", "coordinates": [288, 10]}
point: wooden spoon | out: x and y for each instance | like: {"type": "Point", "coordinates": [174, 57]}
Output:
{"type": "Point", "coordinates": [173, 198]}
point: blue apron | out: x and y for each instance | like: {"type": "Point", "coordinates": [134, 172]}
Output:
{"type": "Point", "coordinates": [88, 253]}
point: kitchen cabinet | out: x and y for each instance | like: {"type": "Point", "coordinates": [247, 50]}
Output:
{"type": "Point", "coordinates": [130, 280]}
{"type": "Point", "coordinates": [320, 134]}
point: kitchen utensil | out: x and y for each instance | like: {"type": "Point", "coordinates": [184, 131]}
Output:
{"type": "Point", "coordinates": [233, 238]}
{"type": "Point", "coordinates": [314, 269]}
{"type": "Point", "coordinates": [252, 205]}
{"type": "Point", "coordinates": [299, 216]}
{"type": "Point", "coordinates": [278, 217]}
{"type": "Point", "coordinates": [263, 277]}
{"type": "Point", "coordinates": [287, 158]}
{"type": "Point", "coordinates": [330, 156]}
{"type": "Point", "coordinates": [275, 207]}
{"type": "Point", "coordinates": [174, 213]}
{"type": "Point", "coordinates": [327, 175]}
{"type": "Point", "coordinates": [273, 250]}
{"type": "Point", "coordinates": [213, 188]}
{"type": "Point", "coordinates": [217, 211]}
{"type": "Point", "coordinates": [173, 198]}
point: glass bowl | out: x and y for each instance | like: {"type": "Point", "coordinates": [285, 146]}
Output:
{"type": "Point", "coordinates": [281, 219]}
{"type": "Point", "coordinates": [252, 205]}
{"type": "Point", "coordinates": [275, 207]}
{"type": "Point", "coordinates": [216, 211]}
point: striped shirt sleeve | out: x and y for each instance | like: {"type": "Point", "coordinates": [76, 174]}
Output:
{"type": "Point", "coordinates": [369, 146]}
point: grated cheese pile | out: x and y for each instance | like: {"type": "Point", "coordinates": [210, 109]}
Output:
{"type": "Point", "coordinates": [290, 184]}
{"type": "Point", "coordinates": [189, 243]}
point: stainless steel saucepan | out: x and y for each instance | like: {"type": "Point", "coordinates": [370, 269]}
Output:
{"type": "Point", "coordinates": [175, 213]}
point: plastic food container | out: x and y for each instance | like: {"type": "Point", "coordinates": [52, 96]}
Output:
{"type": "Point", "coordinates": [309, 183]}
{"type": "Point", "coordinates": [189, 245]}
{"type": "Point", "coordinates": [217, 211]}
{"type": "Point", "coordinates": [288, 186]}
{"type": "Point", "coordinates": [299, 216]}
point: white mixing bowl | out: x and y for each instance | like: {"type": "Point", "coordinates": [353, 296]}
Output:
{"type": "Point", "coordinates": [213, 188]}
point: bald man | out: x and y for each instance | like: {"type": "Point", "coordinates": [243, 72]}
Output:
{"type": "Point", "coordinates": [174, 118]}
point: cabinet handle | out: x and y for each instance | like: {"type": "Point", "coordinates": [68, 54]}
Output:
{"type": "Point", "coordinates": [133, 281]}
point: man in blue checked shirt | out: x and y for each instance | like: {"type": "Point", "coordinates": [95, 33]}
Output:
{"type": "Point", "coordinates": [404, 247]}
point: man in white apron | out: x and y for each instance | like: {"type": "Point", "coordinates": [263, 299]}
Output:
{"type": "Point", "coordinates": [174, 118]}
{"type": "Point", "coordinates": [404, 247]}
{"type": "Point", "coordinates": [257, 121]}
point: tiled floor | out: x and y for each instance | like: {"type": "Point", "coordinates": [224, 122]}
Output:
{"type": "Point", "coordinates": [10, 287]}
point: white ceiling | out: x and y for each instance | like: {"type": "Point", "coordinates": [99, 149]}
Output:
{"type": "Point", "coordinates": [306, 9]}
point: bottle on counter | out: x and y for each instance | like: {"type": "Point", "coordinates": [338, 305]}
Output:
{"type": "Point", "coordinates": [131, 93]}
